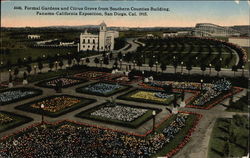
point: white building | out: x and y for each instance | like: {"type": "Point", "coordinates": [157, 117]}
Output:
{"type": "Point", "coordinates": [34, 36]}
{"type": "Point", "coordinates": [104, 41]}
{"type": "Point", "coordinates": [207, 29]}
{"type": "Point", "coordinates": [241, 41]}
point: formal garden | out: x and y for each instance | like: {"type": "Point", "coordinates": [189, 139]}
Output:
{"type": "Point", "coordinates": [55, 105]}
{"type": "Point", "coordinates": [76, 139]}
{"type": "Point", "coordinates": [119, 114]}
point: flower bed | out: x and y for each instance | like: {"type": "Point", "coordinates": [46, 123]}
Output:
{"type": "Point", "coordinates": [56, 105]}
{"type": "Point", "coordinates": [12, 95]}
{"type": "Point", "coordinates": [211, 94]}
{"type": "Point", "coordinates": [10, 120]}
{"type": "Point", "coordinates": [212, 100]}
{"type": "Point", "coordinates": [102, 89]}
{"type": "Point", "coordinates": [123, 79]}
{"type": "Point", "coordinates": [149, 96]}
{"type": "Point", "coordinates": [77, 139]}
{"type": "Point", "coordinates": [119, 114]}
{"type": "Point", "coordinates": [91, 75]}
{"type": "Point", "coordinates": [65, 82]}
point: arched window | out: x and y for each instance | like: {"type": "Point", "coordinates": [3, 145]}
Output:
{"type": "Point", "coordinates": [93, 40]}
{"type": "Point", "coordinates": [83, 41]}
{"type": "Point", "coordinates": [88, 40]}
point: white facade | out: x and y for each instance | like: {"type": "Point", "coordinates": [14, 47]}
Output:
{"type": "Point", "coordinates": [34, 36]}
{"type": "Point", "coordinates": [207, 29]}
{"type": "Point", "coordinates": [241, 41]}
{"type": "Point", "coordinates": [104, 41]}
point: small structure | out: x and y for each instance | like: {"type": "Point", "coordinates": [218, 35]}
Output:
{"type": "Point", "coordinates": [34, 36]}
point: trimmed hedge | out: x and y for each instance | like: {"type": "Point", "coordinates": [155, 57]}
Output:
{"type": "Point", "coordinates": [43, 83]}
{"type": "Point", "coordinates": [127, 97]}
{"type": "Point", "coordinates": [37, 92]}
{"type": "Point", "coordinates": [84, 102]}
{"type": "Point", "coordinates": [124, 88]}
{"type": "Point", "coordinates": [17, 121]}
{"type": "Point", "coordinates": [133, 124]}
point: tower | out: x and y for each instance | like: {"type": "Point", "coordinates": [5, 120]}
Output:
{"type": "Point", "coordinates": [102, 36]}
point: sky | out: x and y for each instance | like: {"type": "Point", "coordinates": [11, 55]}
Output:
{"type": "Point", "coordinates": [181, 14]}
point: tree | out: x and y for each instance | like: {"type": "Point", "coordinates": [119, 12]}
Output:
{"type": "Point", "coordinates": [203, 68]}
{"type": "Point", "coordinates": [151, 64]}
{"type": "Point", "coordinates": [51, 65]}
{"type": "Point", "coordinates": [25, 76]}
{"type": "Point", "coordinates": [111, 56]}
{"type": "Point", "coordinates": [119, 55]}
{"type": "Point", "coordinates": [29, 59]}
{"type": "Point", "coordinates": [87, 61]}
{"type": "Point", "coordinates": [217, 68]}
{"type": "Point", "coordinates": [175, 64]}
{"type": "Point", "coordinates": [40, 66]}
{"type": "Point", "coordinates": [106, 61]}
{"type": "Point", "coordinates": [96, 60]}
{"type": "Point", "coordinates": [61, 64]}
{"type": "Point", "coordinates": [19, 62]}
{"type": "Point", "coordinates": [78, 59]}
{"type": "Point", "coordinates": [16, 71]}
{"type": "Point", "coordinates": [29, 69]}
{"type": "Point", "coordinates": [10, 79]}
{"type": "Point", "coordinates": [189, 67]}
{"type": "Point", "coordinates": [163, 66]}
{"type": "Point", "coordinates": [139, 63]}
{"type": "Point", "coordinates": [8, 64]}
{"type": "Point", "coordinates": [234, 69]}
{"type": "Point", "coordinates": [69, 61]}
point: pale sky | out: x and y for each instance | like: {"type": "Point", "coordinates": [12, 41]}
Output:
{"type": "Point", "coordinates": [181, 14]}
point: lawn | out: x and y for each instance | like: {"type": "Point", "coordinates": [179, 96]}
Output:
{"type": "Point", "coordinates": [240, 105]}
{"type": "Point", "coordinates": [229, 137]}
{"type": "Point", "coordinates": [135, 123]}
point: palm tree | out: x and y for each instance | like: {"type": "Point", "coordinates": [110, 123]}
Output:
{"type": "Point", "coordinates": [234, 69]}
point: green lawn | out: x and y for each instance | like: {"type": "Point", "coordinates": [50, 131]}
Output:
{"type": "Point", "coordinates": [240, 105]}
{"type": "Point", "coordinates": [229, 137]}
